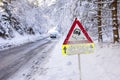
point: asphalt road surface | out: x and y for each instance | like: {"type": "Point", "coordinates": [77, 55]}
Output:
{"type": "Point", "coordinates": [12, 59]}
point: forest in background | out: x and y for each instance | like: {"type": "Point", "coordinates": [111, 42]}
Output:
{"type": "Point", "coordinates": [30, 17]}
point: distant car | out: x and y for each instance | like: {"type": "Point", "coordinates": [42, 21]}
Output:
{"type": "Point", "coordinates": [53, 34]}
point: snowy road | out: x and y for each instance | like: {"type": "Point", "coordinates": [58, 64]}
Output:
{"type": "Point", "coordinates": [11, 60]}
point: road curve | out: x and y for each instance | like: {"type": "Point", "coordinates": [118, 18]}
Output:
{"type": "Point", "coordinates": [12, 59]}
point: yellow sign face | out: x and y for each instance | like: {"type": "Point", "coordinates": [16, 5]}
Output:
{"type": "Point", "coordinates": [84, 48]}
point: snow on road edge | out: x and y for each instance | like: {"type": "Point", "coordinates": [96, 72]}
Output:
{"type": "Point", "coordinates": [34, 64]}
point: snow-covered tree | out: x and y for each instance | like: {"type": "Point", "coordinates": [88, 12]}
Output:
{"type": "Point", "coordinates": [115, 21]}
{"type": "Point", "coordinates": [99, 21]}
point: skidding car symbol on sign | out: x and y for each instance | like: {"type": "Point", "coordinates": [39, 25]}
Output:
{"type": "Point", "coordinates": [77, 31]}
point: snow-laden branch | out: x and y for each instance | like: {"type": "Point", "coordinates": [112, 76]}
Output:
{"type": "Point", "coordinates": [104, 2]}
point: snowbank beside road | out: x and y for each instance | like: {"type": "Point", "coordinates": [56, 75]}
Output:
{"type": "Point", "coordinates": [19, 40]}
{"type": "Point", "coordinates": [102, 65]}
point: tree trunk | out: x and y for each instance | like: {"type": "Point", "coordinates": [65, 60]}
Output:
{"type": "Point", "coordinates": [99, 22]}
{"type": "Point", "coordinates": [115, 21]}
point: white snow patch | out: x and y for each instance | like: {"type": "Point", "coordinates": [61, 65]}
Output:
{"type": "Point", "coordinates": [20, 40]}
{"type": "Point", "coordinates": [103, 64]}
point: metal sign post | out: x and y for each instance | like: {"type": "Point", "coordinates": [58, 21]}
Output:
{"type": "Point", "coordinates": [79, 66]}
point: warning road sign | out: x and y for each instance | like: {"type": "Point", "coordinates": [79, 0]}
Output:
{"type": "Point", "coordinates": [77, 41]}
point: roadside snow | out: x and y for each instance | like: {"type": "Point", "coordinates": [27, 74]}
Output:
{"type": "Point", "coordinates": [19, 40]}
{"type": "Point", "coordinates": [104, 64]}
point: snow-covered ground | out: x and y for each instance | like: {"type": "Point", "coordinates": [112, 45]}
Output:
{"type": "Point", "coordinates": [19, 40]}
{"type": "Point", "coordinates": [42, 15]}
{"type": "Point", "coordinates": [103, 64]}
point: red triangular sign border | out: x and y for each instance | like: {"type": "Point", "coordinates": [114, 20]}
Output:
{"type": "Point", "coordinates": [82, 29]}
